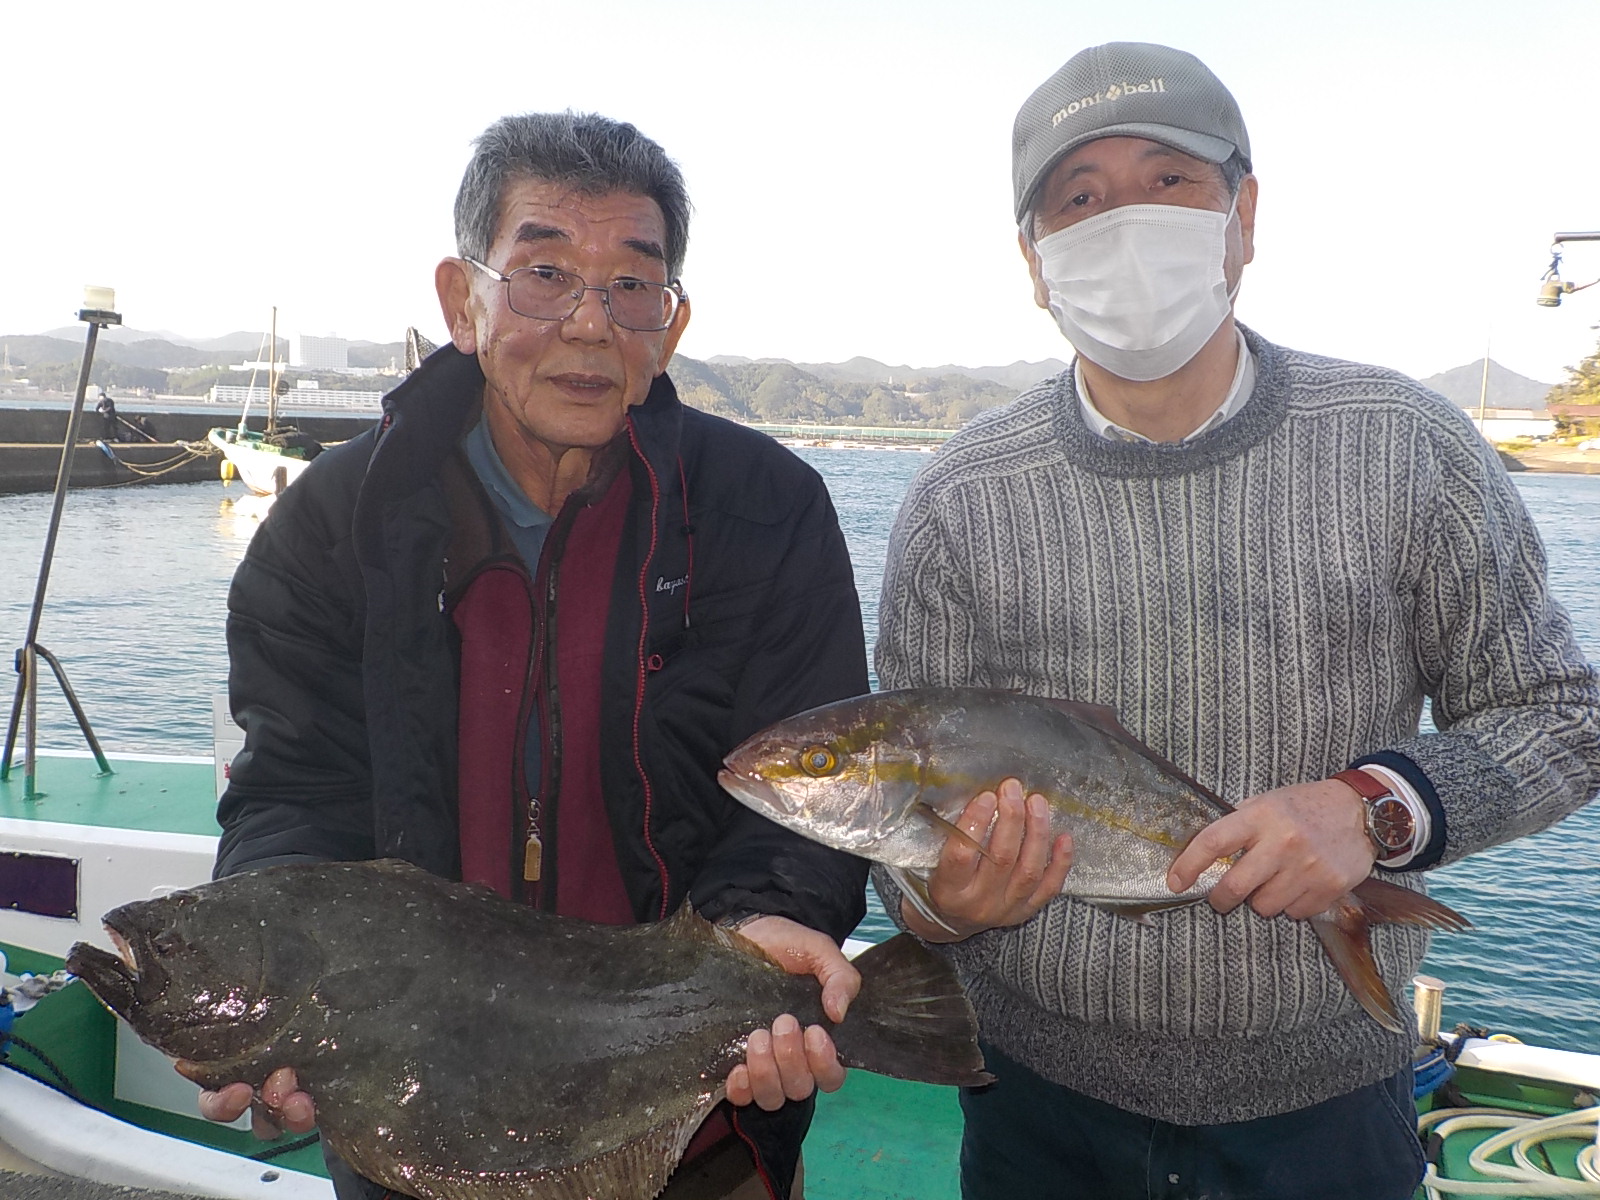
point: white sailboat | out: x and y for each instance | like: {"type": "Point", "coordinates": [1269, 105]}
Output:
{"type": "Point", "coordinates": [269, 461]}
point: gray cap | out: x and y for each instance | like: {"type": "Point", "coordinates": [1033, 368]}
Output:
{"type": "Point", "coordinates": [1124, 89]}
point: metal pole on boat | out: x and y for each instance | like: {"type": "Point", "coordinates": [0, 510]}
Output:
{"type": "Point", "coordinates": [99, 311]}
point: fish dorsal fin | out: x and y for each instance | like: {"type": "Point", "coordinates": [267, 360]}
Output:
{"type": "Point", "coordinates": [691, 926]}
{"type": "Point", "coordinates": [639, 1168]}
{"type": "Point", "coordinates": [1098, 716]}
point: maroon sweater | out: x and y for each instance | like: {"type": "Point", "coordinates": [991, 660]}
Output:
{"type": "Point", "coordinates": [508, 639]}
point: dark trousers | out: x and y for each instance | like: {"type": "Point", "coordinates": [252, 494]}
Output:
{"type": "Point", "coordinates": [1029, 1139]}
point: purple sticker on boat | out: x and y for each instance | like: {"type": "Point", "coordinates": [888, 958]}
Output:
{"type": "Point", "coordinates": [41, 884]}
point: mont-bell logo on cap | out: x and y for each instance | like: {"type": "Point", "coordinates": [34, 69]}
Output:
{"type": "Point", "coordinates": [1115, 92]}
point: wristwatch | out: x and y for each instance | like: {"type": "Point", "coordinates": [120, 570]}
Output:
{"type": "Point", "coordinates": [1390, 825]}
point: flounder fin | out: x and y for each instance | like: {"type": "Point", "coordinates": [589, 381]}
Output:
{"type": "Point", "coordinates": [691, 926]}
{"type": "Point", "coordinates": [915, 888]}
{"type": "Point", "coordinates": [1098, 716]}
{"type": "Point", "coordinates": [931, 815]}
{"type": "Point", "coordinates": [911, 1019]}
{"type": "Point", "coordinates": [636, 1170]}
{"type": "Point", "coordinates": [362, 989]}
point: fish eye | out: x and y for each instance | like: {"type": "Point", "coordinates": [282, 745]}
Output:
{"type": "Point", "coordinates": [165, 943]}
{"type": "Point", "coordinates": [818, 760]}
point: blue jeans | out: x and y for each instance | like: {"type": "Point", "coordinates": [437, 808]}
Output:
{"type": "Point", "coordinates": [1029, 1139]}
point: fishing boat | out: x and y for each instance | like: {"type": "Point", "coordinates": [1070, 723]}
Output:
{"type": "Point", "coordinates": [270, 460]}
{"type": "Point", "coordinates": [80, 1095]}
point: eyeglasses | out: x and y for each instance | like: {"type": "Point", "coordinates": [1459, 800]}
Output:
{"type": "Point", "coordinates": [551, 294]}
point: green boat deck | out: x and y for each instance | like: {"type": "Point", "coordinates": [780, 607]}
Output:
{"type": "Point", "coordinates": [155, 794]}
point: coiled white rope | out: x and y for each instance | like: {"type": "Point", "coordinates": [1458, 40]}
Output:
{"type": "Point", "coordinates": [1522, 1177]}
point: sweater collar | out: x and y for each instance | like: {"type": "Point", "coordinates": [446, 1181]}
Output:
{"type": "Point", "coordinates": [1252, 423]}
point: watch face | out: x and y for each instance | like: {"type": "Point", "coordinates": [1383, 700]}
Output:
{"type": "Point", "coordinates": [1389, 824]}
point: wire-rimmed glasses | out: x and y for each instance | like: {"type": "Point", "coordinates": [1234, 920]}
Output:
{"type": "Point", "coordinates": [551, 294]}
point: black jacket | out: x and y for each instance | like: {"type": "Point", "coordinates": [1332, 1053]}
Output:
{"type": "Point", "coordinates": [344, 671]}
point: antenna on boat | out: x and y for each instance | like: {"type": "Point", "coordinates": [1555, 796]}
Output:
{"type": "Point", "coordinates": [272, 377]}
{"type": "Point", "coordinates": [99, 310]}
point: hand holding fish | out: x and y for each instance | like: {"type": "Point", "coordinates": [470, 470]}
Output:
{"type": "Point", "coordinates": [787, 1063]}
{"type": "Point", "coordinates": [281, 1106]}
{"type": "Point", "coordinates": [1307, 847]}
{"type": "Point", "coordinates": [1004, 879]}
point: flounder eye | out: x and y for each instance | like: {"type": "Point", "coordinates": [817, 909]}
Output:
{"type": "Point", "coordinates": [818, 760]}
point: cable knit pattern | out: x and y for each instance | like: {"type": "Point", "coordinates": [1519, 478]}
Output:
{"type": "Point", "coordinates": [1263, 606]}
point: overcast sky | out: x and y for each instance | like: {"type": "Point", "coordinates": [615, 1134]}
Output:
{"type": "Point", "coordinates": [849, 162]}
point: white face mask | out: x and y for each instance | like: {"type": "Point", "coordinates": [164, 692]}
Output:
{"type": "Point", "coordinates": [1139, 289]}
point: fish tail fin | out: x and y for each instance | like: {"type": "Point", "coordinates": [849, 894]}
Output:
{"type": "Point", "coordinates": [1388, 903]}
{"type": "Point", "coordinates": [911, 1019]}
{"type": "Point", "coordinates": [915, 889]}
{"type": "Point", "coordinates": [1345, 931]}
{"type": "Point", "coordinates": [1345, 935]}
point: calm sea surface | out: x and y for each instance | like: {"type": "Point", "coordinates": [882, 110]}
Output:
{"type": "Point", "coordinates": [135, 612]}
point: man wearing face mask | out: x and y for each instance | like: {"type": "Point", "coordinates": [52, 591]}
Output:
{"type": "Point", "coordinates": [1263, 561]}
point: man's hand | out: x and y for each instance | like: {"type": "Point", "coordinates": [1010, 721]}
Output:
{"type": "Point", "coordinates": [787, 1063]}
{"type": "Point", "coordinates": [281, 1107]}
{"type": "Point", "coordinates": [1307, 846]}
{"type": "Point", "coordinates": [1021, 870]}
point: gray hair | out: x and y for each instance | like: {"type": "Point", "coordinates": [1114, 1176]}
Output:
{"type": "Point", "coordinates": [591, 153]}
{"type": "Point", "coordinates": [1232, 172]}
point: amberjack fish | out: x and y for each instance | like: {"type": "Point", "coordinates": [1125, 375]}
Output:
{"type": "Point", "coordinates": [884, 776]}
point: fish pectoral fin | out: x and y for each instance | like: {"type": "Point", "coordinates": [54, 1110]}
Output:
{"type": "Point", "coordinates": [361, 989]}
{"type": "Point", "coordinates": [915, 889]}
{"type": "Point", "coordinates": [931, 815]}
{"type": "Point", "coordinates": [1139, 911]}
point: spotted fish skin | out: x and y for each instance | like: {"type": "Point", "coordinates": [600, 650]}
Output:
{"type": "Point", "coordinates": [461, 1047]}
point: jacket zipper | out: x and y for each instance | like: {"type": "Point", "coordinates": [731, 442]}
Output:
{"type": "Point", "coordinates": [534, 812]}
{"type": "Point", "coordinates": [641, 668]}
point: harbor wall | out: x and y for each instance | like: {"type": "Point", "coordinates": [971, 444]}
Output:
{"type": "Point", "coordinates": [30, 446]}
{"type": "Point", "coordinates": [29, 425]}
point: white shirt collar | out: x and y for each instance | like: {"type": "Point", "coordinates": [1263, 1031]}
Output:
{"type": "Point", "coordinates": [1244, 382]}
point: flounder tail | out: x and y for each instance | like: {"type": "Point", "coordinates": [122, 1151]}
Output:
{"type": "Point", "coordinates": [1345, 932]}
{"type": "Point", "coordinates": [911, 1019]}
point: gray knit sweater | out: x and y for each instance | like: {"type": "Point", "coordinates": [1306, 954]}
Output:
{"type": "Point", "coordinates": [1263, 606]}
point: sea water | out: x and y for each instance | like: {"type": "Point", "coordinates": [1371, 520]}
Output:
{"type": "Point", "coordinates": [135, 611]}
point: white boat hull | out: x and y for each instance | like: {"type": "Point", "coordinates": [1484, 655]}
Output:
{"type": "Point", "coordinates": [260, 468]}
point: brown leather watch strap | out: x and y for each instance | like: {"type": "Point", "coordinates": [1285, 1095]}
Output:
{"type": "Point", "coordinates": [1390, 826]}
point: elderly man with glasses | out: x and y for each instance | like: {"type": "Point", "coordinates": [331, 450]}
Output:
{"type": "Point", "coordinates": [509, 634]}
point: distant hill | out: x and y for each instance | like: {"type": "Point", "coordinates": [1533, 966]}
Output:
{"type": "Point", "coordinates": [1016, 376]}
{"type": "Point", "coordinates": [779, 391]}
{"type": "Point", "coordinates": [1506, 389]}
{"type": "Point", "coordinates": [377, 354]}
{"type": "Point", "coordinates": [859, 389]}
{"type": "Point", "coordinates": [156, 353]}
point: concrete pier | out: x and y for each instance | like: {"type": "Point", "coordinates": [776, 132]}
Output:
{"type": "Point", "coordinates": [30, 447]}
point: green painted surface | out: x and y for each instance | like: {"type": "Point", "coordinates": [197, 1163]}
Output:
{"type": "Point", "coordinates": [883, 1139]}
{"type": "Point", "coordinates": [155, 797]}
